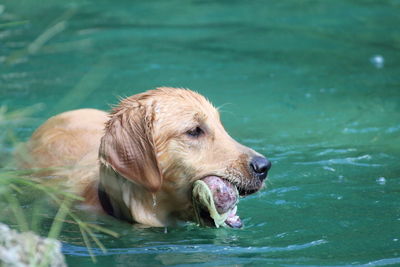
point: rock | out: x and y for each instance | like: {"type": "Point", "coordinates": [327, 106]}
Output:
{"type": "Point", "coordinates": [28, 249]}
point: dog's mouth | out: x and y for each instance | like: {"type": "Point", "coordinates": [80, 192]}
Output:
{"type": "Point", "coordinates": [245, 192]}
{"type": "Point", "coordinates": [215, 201]}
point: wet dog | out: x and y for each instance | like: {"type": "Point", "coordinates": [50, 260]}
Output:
{"type": "Point", "coordinates": [139, 162]}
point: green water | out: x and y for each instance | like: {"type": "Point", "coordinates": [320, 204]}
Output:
{"type": "Point", "coordinates": [314, 85]}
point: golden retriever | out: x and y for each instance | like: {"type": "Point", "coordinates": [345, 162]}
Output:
{"type": "Point", "coordinates": [139, 162]}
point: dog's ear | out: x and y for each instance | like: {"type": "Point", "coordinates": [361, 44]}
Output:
{"type": "Point", "coordinates": [128, 147]}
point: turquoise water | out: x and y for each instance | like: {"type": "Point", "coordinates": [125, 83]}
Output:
{"type": "Point", "coordinates": [313, 85]}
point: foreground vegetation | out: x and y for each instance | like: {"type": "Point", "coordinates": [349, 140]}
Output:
{"type": "Point", "coordinates": [38, 204]}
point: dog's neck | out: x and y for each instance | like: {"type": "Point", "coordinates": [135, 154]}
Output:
{"type": "Point", "coordinates": [130, 202]}
{"type": "Point", "coordinates": [105, 201]}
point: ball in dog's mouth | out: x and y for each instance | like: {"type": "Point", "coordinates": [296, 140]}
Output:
{"type": "Point", "coordinates": [215, 202]}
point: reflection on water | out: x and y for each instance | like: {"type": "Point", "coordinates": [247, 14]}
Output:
{"type": "Point", "coordinates": [313, 85]}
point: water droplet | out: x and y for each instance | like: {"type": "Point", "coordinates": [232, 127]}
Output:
{"type": "Point", "coordinates": [381, 180]}
{"type": "Point", "coordinates": [154, 200]}
{"type": "Point", "coordinates": [378, 61]}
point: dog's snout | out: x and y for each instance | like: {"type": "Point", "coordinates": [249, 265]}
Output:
{"type": "Point", "coordinates": [260, 166]}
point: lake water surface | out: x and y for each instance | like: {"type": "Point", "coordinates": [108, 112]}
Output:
{"type": "Point", "coordinates": [314, 85]}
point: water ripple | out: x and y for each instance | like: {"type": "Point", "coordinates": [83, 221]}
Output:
{"type": "Point", "coordinates": [393, 129]}
{"type": "Point", "coordinates": [343, 161]}
{"type": "Point", "coordinates": [364, 130]}
{"type": "Point", "coordinates": [74, 250]}
{"type": "Point", "coordinates": [382, 262]}
{"type": "Point", "coordinates": [336, 151]}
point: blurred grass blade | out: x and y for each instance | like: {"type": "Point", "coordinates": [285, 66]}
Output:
{"type": "Point", "coordinates": [17, 211]}
{"type": "Point", "coordinates": [89, 82]}
{"type": "Point", "coordinates": [46, 36]}
{"type": "Point", "coordinates": [85, 227]}
{"type": "Point", "coordinates": [87, 244]}
{"type": "Point", "coordinates": [13, 24]}
{"type": "Point", "coordinates": [55, 28]}
{"type": "Point", "coordinates": [36, 210]}
{"type": "Point", "coordinates": [104, 230]}
{"type": "Point", "coordinates": [58, 220]}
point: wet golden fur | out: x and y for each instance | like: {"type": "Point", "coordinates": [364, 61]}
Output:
{"type": "Point", "coordinates": [145, 154]}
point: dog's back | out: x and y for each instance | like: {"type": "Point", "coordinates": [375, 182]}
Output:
{"type": "Point", "coordinates": [66, 146]}
{"type": "Point", "coordinates": [64, 140]}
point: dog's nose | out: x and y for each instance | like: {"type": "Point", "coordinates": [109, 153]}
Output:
{"type": "Point", "coordinates": [260, 166]}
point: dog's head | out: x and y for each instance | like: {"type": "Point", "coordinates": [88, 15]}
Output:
{"type": "Point", "coordinates": [166, 139]}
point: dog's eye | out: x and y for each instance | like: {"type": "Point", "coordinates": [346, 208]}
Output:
{"type": "Point", "coordinates": [196, 132]}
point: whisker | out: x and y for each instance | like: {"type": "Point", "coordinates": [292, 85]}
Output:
{"type": "Point", "coordinates": [219, 108]}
